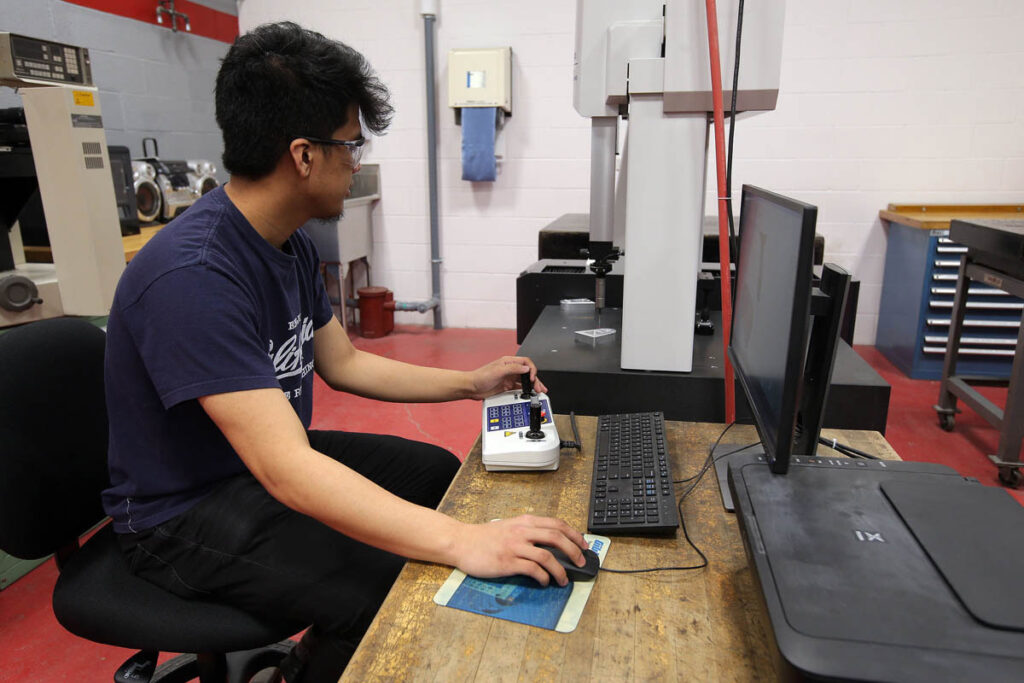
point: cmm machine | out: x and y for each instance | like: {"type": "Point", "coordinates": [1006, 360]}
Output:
{"type": "Point", "coordinates": [646, 63]}
{"type": "Point", "coordinates": [642, 76]}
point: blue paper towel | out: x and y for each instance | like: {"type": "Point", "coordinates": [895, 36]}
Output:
{"type": "Point", "coordinates": [478, 143]}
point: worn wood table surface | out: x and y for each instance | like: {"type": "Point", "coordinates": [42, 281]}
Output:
{"type": "Point", "coordinates": [939, 216]}
{"type": "Point", "coordinates": [132, 244]}
{"type": "Point", "coordinates": [705, 625]}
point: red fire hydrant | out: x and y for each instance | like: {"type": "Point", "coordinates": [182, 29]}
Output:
{"type": "Point", "coordinates": [376, 311]}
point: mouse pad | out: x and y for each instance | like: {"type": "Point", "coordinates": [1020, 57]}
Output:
{"type": "Point", "coordinates": [520, 598]}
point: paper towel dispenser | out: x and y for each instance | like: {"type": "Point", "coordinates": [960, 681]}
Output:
{"type": "Point", "coordinates": [480, 77]}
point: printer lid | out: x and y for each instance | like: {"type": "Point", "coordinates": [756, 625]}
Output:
{"type": "Point", "coordinates": [975, 536]}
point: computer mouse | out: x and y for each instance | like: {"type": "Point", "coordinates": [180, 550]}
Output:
{"type": "Point", "coordinates": [585, 573]}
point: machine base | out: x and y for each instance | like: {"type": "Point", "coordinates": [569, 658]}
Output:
{"type": "Point", "coordinates": [588, 380]}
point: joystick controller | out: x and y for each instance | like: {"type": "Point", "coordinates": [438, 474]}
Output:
{"type": "Point", "coordinates": [535, 420]}
{"type": "Point", "coordinates": [519, 431]}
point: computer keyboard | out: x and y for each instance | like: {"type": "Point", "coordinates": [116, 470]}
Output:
{"type": "Point", "coordinates": [632, 492]}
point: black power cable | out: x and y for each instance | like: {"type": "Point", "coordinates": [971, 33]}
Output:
{"type": "Point", "coordinates": [732, 129]}
{"type": "Point", "coordinates": [848, 451]}
{"type": "Point", "coordinates": [711, 459]}
{"type": "Point", "coordinates": [682, 519]}
{"type": "Point", "coordinates": [577, 444]}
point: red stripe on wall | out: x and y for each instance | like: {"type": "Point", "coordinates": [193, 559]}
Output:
{"type": "Point", "coordinates": [206, 22]}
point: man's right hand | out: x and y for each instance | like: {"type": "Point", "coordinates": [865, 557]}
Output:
{"type": "Point", "coordinates": [509, 546]}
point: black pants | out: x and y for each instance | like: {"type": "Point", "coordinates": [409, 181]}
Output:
{"type": "Point", "coordinates": [241, 547]}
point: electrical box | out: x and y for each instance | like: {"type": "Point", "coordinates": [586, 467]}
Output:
{"type": "Point", "coordinates": [480, 78]}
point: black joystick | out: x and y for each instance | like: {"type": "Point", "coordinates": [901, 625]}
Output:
{"type": "Point", "coordinates": [527, 391]}
{"type": "Point", "coordinates": [535, 419]}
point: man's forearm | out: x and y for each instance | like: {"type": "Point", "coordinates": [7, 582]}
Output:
{"type": "Point", "coordinates": [355, 506]}
{"type": "Point", "coordinates": [345, 368]}
{"type": "Point", "coordinates": [373, 376]}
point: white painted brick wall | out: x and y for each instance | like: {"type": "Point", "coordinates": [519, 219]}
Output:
{"type": "Point", "coordinates": [890, 101]}
{"type": "Point", "coordinates": [489, 231]}
{"type": "Point", "coordinates": [882, 101]}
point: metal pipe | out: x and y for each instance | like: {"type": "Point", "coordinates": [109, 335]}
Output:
{"type": "Point", "coordinates": [418, 306]}
{"type": "Point", "coordinates": [724, 208]}
{"type": "Point", "coordinates": [429, 17]}
{"type": "Point", "coordinates": [167, 7]}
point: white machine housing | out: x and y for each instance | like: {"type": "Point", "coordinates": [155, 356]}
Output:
{"type": "Point", "coordinates": [653, 210]}
{"type": "Point", "coordinates": [69, 148]}
{"type": "Point", "coordinates": [504, 445]}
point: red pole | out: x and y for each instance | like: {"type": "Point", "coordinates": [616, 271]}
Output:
{"type": "Point", "coordinates": [723, 207]}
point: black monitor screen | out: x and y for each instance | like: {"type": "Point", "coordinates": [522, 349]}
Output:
{"type": "Point", "coordinates": [771, 315]}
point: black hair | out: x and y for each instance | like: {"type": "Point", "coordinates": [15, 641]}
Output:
{"type": "Point", "coordinates": [281, 81]}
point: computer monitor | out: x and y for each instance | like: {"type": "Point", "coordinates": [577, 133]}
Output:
{"type": "Point", "coordinates": [771, 313]}
{"type": "Point", "coordinates": [784, 330]}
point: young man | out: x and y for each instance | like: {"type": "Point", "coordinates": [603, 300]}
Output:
{"type": "Point", "coordinates": [218, 487]}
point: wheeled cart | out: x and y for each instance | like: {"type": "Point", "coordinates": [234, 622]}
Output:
{"type": "Point", "coordinates": [995, 258]}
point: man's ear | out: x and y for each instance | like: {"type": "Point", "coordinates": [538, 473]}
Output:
{"type": "Point", "coordinates": [302, 159]}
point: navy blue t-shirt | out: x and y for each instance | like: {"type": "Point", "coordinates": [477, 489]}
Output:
{"type": "Point", "coordinates": [207, 307]}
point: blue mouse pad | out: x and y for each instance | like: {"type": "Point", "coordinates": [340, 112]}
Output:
{"type": "Point", "coordinates": [520, 598]}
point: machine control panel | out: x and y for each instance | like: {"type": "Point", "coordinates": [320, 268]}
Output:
{"type": "Point", "coordinates": [509, 442]}
{"type": "Point", "coordinates": [514, 415]}
{"type": "Point", "coordinates": [26, 62]}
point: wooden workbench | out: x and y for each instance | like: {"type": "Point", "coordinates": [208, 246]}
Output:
{"type": "Point", "coordinates": [706, 625]}
{"type": "Point", "coordinates": [132, 244]}
{"type": "Point", "coordinates": [938, 216]}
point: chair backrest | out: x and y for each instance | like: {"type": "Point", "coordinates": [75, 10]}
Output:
{"type": "Point", "coordinates": [53, 435]}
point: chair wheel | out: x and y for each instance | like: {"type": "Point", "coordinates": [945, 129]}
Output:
{"type": "Point", "coordinates": [947, 421]}
{"type": "Point", "coordinates": [1010, 476]}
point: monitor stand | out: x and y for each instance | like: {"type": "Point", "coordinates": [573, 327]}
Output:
{"type": "Point", "coordinates": [721, 456]}
{"type": "Point", "coordinates": [827, 305]}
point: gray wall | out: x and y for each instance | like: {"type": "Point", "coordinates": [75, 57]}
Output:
{"type": "Point", "coordinates": [152, 82]}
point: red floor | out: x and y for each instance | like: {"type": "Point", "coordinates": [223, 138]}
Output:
{"type": "Point", "coordinates": [35, 648]}
{"type": "Point", "coordinates": [913, 429]}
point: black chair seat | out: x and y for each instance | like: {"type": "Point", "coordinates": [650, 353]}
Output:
{"type": "Point", "coordinates": [53, 468]}
{"type": "Point", "coordinates": [96, 597]}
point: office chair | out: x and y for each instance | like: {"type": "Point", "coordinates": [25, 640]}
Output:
{"type": "Point", "coordinates": [53, 466]}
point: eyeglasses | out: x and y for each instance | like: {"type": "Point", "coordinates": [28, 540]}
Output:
{"type": "Point", "coordinates": [355, 147]}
